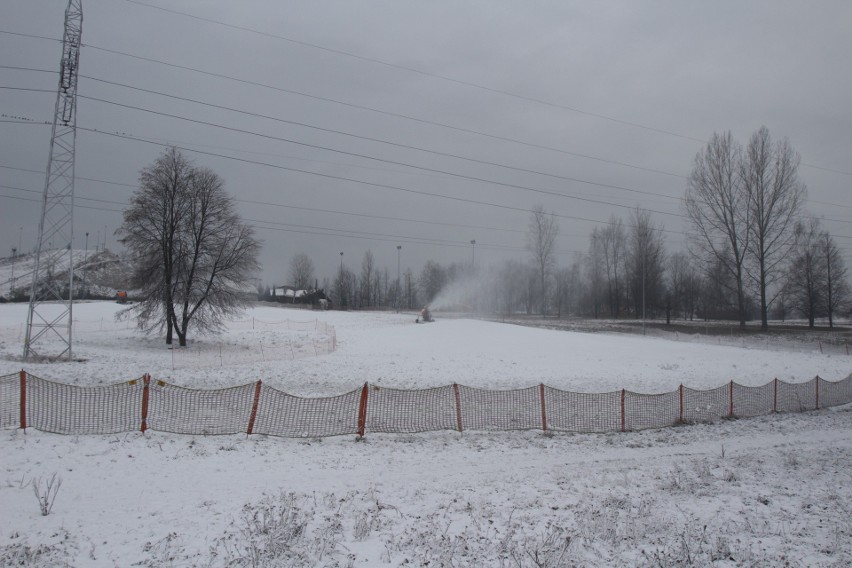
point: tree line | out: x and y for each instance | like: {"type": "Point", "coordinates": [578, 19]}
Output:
{"type": "Point", "coordinates": [752, 252]}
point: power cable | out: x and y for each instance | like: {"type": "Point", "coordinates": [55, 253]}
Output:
{"type": "Point", "coordinates": [383, 160]}
{"type": "Point", "coordinates": [387, 113]}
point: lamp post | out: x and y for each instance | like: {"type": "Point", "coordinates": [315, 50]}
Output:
{"type": "Point", "coordinates": [341, 262]}
{"type": "Point", "coordinates": [86, 256]}
{"type": "Point", "coordinates": [398, 291]}
{"type": "Point", "coordinates": [472, 253]}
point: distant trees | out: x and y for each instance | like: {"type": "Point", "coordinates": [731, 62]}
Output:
{"type": "Point", "coordinates": [301, 271]}
{"type": "Point", "coordinates": [193, 256]}
{"type": "Point", "coordinates": [432, 278]}
{"type": "Point", "coordinates": [541, 242]}
{"type": "Point", "coordinates": [815, 282]}
{"type": "Point", "coordinates": [742, 205]}
{"type": "Point", "coordinates": [610, 247]}
{"type": "Point", "coordinates": [645, 262]}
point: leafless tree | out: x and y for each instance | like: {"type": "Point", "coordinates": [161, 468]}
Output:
{"type": "Point", "coordinates": [805, 283]}
{"type": "Point", "coordinates": [432, 280]}
{"type": "Point", "coordinates": [678, 286]}
{"type": "Point", "coordinates": [717, 206]}
{"type": "Point", "coordinates": [645, 261]}
{"type": "Point", "coordinates": [769, 173]}
{"type": "Point", "coordinates": [368, 287]}
{"type": "Point", "coordinates": [301, 271]}
{"type": "Point", "coordinates": [837, 292]}
{"type": "Point", "coordinates": [541, 242]}
{"type": "Point", "coordinates": [511, 285]}
{"type": "Point", "coordinates": [195, 258]}
{"type": "Point", "coordinates": [612, 240]}
{"type": "Point", "coordinates": [595, 270]}
{"type": "Point", "coordinates": [151, 233]}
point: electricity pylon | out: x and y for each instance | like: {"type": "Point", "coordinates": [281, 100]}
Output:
{"type": "Point", "coordinates": [50, 313]}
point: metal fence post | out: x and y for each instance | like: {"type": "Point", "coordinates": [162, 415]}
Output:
{"type": "Point", "coordinates": [543, 409]}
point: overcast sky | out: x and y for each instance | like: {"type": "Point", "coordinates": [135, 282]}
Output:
{"type": "Point", "coordinates": [367, 125]}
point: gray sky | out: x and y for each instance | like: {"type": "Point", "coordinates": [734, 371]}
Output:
{"type": "Point", "coordinates": [587, 108]}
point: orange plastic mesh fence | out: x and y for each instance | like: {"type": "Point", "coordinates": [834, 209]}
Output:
{"type": "Point", "coordinates": [10, 401]}
{"type": "Point", "coordinates": [500, 410]}
{"type": "Point", "coordinates": [650, 410]}
{"type": "Point", "coordinates": [796, 397]}
{"type": "Point", "coordinates": [190, 411]}
{"type": "Point", "coordinates": [67, 409]}
{"type": "Point", "coordinates": [282, 414]}
{"type": "Point", "coordinates": [706, 406]}
{"type": "Point", "coordinates": [407, 411]}
{"type": "Point", "coordinates": [833, 393]}
{"type": "Point", "coordinates": [582, 412]}
{"type": "Point", "coordinates": [753, 401]}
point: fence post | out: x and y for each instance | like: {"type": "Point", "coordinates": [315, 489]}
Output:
{"type": "Point", "coordinates": [731, 389]}
{"type": "Point", "coordinates": [458, 406]}
{"type": "Point", "coordinates": [362, 412]}
{"type": "Point", "coordinates": [253, 416]}
{"type": "Point", "coordinates": [23, 377]}
{"type": "Point", "coordinates": [680, 392]}
{"type": "Point", "coordinates": [775, 396]}
{"type": "Point", "coordinates": [623, 420]}
{"type": "Point", "coordinates": [146, 390]}
{"type": "Point", "coordinates": [543, 409]}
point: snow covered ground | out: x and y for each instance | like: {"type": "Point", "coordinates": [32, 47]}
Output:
{"type": "Point", "coordinates": [775, 490]}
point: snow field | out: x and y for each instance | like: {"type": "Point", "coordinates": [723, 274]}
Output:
{"type": "Point", "coordinates": [770, 491]}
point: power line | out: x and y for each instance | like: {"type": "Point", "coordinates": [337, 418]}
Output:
{"type": "Point", "coordinates": [383, 160]}
{"type": "Point", "coordinates": [441, 77]}
{"type": "Point", "coordinates": [378, 140]}
{"type": "Point", "coordinates": [398, 115]}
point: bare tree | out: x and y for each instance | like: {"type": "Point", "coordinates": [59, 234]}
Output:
{"type": "Point", "coordinates": [595, 270]}
{"type": "Point", "coordinates": [613, 242]}
{"type": "Point", "coordinates": [717, 206]}
{"type": "Point", "coordinates": [432, 279]}
{"type": "Point", "coordinates": [151, 233]}
{"type": "Point", "coordinates": [837, 291]}
{"type": "Point", "coordinates": [645, 261]}
{"type": "Point", "coordinates": [368, 287]}
{"type": "Point", "coordinates": [805, 285]}
{"type": "Point", "coordinates": [194, 257]}
{"type": "Point", "coordinates": [301, 271]}
{"type": "Point", "coordinates": [769, 173]}
{"type": "Point", "coordinates": [541, 242]}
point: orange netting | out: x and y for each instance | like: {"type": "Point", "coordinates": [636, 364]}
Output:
{"type": "Point", "coordinates": [10, 401]}
{"type": "Point", "coordinates": [29, 401]}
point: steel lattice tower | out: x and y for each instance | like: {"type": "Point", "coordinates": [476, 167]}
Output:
{"type": "Point", "coordinates": [50, 313]}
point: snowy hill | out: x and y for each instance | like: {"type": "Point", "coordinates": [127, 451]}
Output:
{"type": "Point", "coordinates": [96, 275]}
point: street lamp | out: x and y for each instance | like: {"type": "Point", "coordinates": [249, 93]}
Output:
{"type": "Point", "coordinates": [398, 250]}
{"type": "Point", "coordinates": [472, 253]}
{"type": "Point", "coordinates": [341, 262]}
{"type": "Point", "coordinates": [86, 256]}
